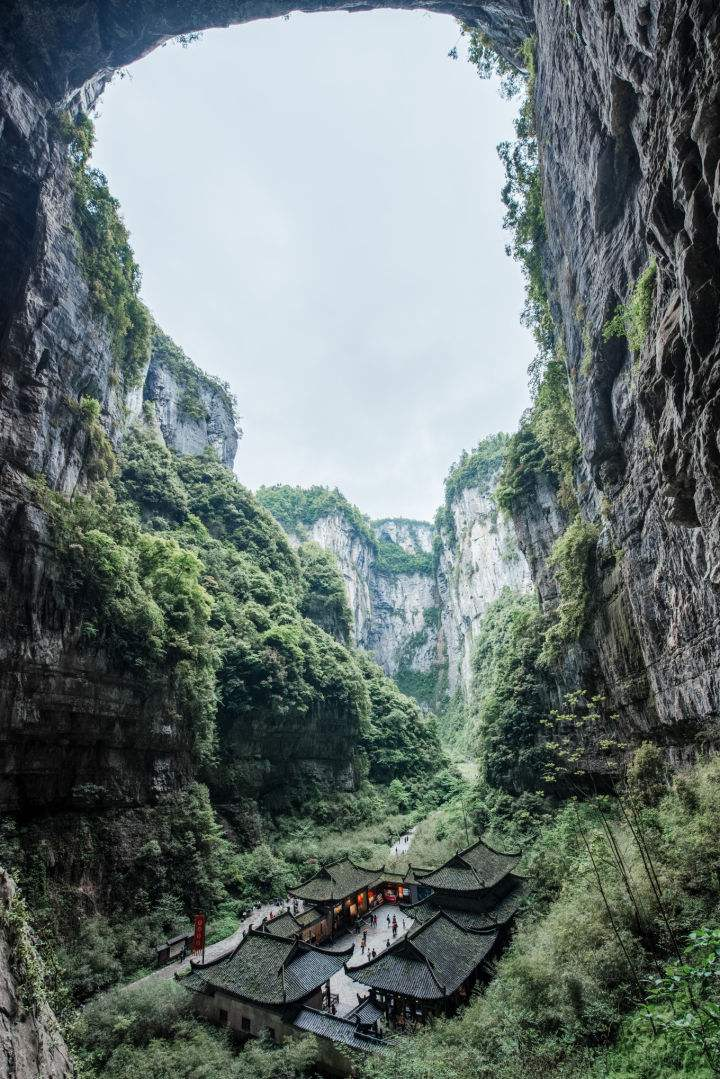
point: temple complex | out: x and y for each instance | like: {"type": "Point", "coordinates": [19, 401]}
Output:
{"type": "Point", "coordinates": [278, 979]}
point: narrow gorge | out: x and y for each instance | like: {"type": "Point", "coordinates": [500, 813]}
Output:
{"type": "Point", "coordinates": [209, 694]}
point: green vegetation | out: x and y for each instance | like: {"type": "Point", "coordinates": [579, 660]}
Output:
{"type": "Point", "coordinates": [151, 1031]}
{"type": "Point", "coordinates": [615, 886]}
{"type": "Point", "coordinates": [571, 560]}
{"type": "Point", "coordinates": [324, 599]}
{"type": "Point", "coordinates": [190, 377]}
{"type": "Point", "coordinates": [107, 259]}
{"type": "Point", "coordinates": [298, 508]}
{"type": "Point", "coordinates": [546, 443]}
{"type": "Point", "coordinates": [400, 743]}
{"type": "Point", "coordinates": [632, 320]}
{"type": "Point", "coordinates": [422, 686]}
{"type": "Point", "coordinates": [138, 597]}
{"type": "Point", "coordinates": [477, 468]}
{"type": "Point", "coordinates": [101, 461]}
{"type": "Point", "coordinates": [509, 696]}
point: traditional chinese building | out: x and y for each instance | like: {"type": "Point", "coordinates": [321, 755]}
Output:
{"type": "Point", "coordinates": [458, 926]}
{"type": "Point", "coordinates": [263, 983]}
{"type": "Point", "coordinates": [430, 971]}
{"type": "Point", "coordinates": [342, 891]}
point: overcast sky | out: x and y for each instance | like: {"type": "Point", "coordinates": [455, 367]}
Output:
{"type": "Point", "coordinates": [314, 203]}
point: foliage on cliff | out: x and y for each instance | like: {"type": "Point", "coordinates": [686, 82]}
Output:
{"type": "Point", "coordinates": [107, 258]}
{"type": "Point", "coordinates": [192, 378]}
{"type": "Point", "coordinates": [298, 508]}
{"type": "Point", "coordinates": [138, 597]}
{"type": "Point", "coordinates": [545, 444]}
{"type": "Point", "coordinates": [509, 697]}
{"type": "Point", "coordinates": [632, 320]}
{"type": "Point", "coordinates": [478, 468]}
{"type": "Point", "coordinates": [324, 600]}
{"type": "Point", "coordinates": [399, 742]}
{"type": "Point", "coordinates": [571, 561]}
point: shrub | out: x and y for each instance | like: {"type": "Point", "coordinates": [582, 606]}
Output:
{"type": "Point", "coordinates": [570, 559]}
{"type": "Point", "coordinates": [107, 259]}
{"type": "Point", "coordinates": [632, 320]}
{"type": "Point", "coordinates": [509, 696]}
{"type": "Point", "coordinates": [324, 598]}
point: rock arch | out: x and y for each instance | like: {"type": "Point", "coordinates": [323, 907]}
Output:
{"type": "Point", "coordinates": [58, 46]}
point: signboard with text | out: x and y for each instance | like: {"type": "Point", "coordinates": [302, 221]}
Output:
{"type": "Point", "coordinates": [198, 944]}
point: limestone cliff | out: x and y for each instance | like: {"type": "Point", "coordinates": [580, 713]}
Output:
{"type": "Point", "coordinates": [193, 410]}
{"type": "Point", "coordinates": [417, 591]}
{"type": "Point", "coordinates": [479, 556]}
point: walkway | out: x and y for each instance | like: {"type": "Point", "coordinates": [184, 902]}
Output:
{"type": "Point", "coordinates": [213, 951]}
{"type": "Point", "coordinates": [377, 938]}
{"type": "Point", "coordinates": [402, 845]}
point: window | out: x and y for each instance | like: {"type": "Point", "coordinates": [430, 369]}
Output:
{"type": "Point", "coordinates": [222, 1015]}
{"type": "Point", "coordinates": [244, 1023]}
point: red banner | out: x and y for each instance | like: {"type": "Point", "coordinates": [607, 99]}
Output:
{"type": "Point", "coordinates": [198, 944]}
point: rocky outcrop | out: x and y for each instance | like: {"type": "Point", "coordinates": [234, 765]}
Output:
{"type": "Point", "coordinates": [31, 1043]}
{"type": "Point", "coordinates": [193, 410]}
{"type": "Point", "coordinates": [420, 625]}
{"type": "Point", "coordinates": [388, 609]}
{"type": "Point", "coordinates": [628, 117]}
{"type": "Point", "coordinates": [479, 557]}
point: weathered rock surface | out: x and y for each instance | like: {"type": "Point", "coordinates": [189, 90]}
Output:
{"type": "Point", "coordinates": [192, 415]}
{"type": "Point", "coordinates": [31, 1044]}
{"type": "Point", "coordinates": [425, 622]}
{"type": "Point", "coordinates": [628, 116]}
{"type": "Point", "coordinates": [628, 112]}
{"type": "Point", "coordinates": [476, 563]}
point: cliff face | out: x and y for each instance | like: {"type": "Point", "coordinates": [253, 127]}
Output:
{"type": "Point", "coordinates": [420, 625]}
{"type": "Point", "coordinates": [479, 557]}
{"type": "Point", "coordinates": [628, 118]}
{"type": "Point", "coordinates": [193, 410]}
{"type": "Point", "coordinates": [31, 1043]}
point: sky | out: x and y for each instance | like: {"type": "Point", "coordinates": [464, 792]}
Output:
{"type": "Point", "coordinates": [315, 206]}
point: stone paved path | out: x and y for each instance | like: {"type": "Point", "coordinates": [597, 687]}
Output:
{"type": "Point", "coordinates": [346, 989]}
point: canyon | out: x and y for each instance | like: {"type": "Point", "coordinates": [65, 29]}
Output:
{"type": "Point", "coordinates": [625, 100]}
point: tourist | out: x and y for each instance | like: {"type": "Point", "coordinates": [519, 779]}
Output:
{"type": "Point", "coordinates": [387, 943]}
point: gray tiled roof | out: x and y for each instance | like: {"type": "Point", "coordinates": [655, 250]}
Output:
{"type": "Point", "coordinates": [308, 917]}
{"type": "Point", "coordinates": [268, 970]}
{"type": "Point", "coordinates": [367, 1012]}
{"type": "Point", "coordinates": [430, 963]}
{"type": "Point", "coordinates": [498, 911]}
{"type": "Point", "coordinates": [337, 881]}
{"type": "Point", "coordinates": [336, 1029]}
{"type": "Point", "coordinates": [412, 875]}
{"type": "Point", "coordinates": [284, 925]}
{"type": "Point", "coordinates": [472, 870]}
